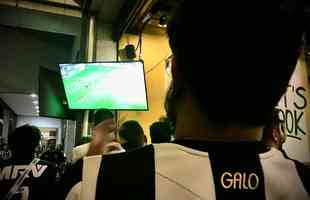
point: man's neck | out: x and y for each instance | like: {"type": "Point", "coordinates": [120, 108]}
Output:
{"type": "Point", "coordinates": [192, 124]}
{"type": "Point", "coordinates": [230, 134]}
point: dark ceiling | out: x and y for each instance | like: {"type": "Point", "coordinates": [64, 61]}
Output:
{"type": "Point", "coordinates": [23, 51]}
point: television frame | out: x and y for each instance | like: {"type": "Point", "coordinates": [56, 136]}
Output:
{"type": "Point", "coordinates": [99, 62]}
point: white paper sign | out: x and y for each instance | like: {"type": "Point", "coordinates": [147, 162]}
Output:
{"type": "Point", "coordinates": [294, 107]}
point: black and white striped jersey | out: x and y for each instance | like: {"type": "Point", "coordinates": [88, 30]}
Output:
{"type": "Point", "coordinates": [194, 170]}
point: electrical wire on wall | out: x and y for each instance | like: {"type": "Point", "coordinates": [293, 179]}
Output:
{"type": "Point", "coordinates": [158, 64]}
{"type": "Point", "coordinates": [145, 21]}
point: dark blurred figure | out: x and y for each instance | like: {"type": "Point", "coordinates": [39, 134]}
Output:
{"type": "Point", "coordinates": [160, 132]}
{"type": "Point", "coordinates": [53, 154]}
{"type": "Point", "coordinates": [131, 135]}
{"type": "Point", "coordinates": [23, 142]}
{"type": "Point", "coordinates": [5, 152]}
{"type": "Point", "coordinates": [165, 119]}
{"type": "Point", "coordinates": [56, 156]}
{"type": "Point", "coordinates": [41, 179]}
{"type": "Point", "coordinates": [51, 144]}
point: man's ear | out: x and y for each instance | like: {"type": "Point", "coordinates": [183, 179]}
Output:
{"type": "Point", "coordinates": [174, 68]}
{"type": "Point", "coordinates": [275, 135]}
{"type": "Point", "coordinates": [177, 76]}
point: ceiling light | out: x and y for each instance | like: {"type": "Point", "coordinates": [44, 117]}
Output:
{"type": "Point", "coordinates": [163, 21]}
{"type": "Point", "coordinates": [308, 53]}
{"type": "Point", "coordinates": [33, 95]}
{"type": "Point", "coordinates": [162, 26]}
{"type": "Point", "coordinates": [37, 107]}
{"type": "Point", "coordinates": [35, 102]}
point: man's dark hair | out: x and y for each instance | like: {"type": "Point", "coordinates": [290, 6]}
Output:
{"type": "Point", "coordinates": [101, 115]}
{"type": "Point", "coordinates": [160, 132]}
{"type": "Point", "coordinates": [133, 133]}
{"type": "Point", "coordinates": [235, 60]}
{"type": "Point", "coordinates": [24, 140]}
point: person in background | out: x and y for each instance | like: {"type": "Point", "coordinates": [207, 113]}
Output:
{"type": "Point", "coordinates": [99, 116]}
{"type": "Point", "coordinates": [53, 154]}
{"type": "Point", "coordinates": [131, 135]}
{"type": "Point", "coordinates": [40, 182]}
{"type": "Point", "coordinates": [168, 121]}
{"type": "Point", "coordinates": [160, 132]}
{"type": "Point", "coordinates": [103, 118]}
{"type": "Point", "coordinates": [51, 144]}
{"type": "Point", "coordinates": [5, 152]}
{"type": "Point", "coordinates": [274, 132]}
{"type": "Point", "coordinates": [219, 101]}
{"type": "Point", "coordinates": [274, 136]}
{"type": "Point", "coordinates": [145, 140]}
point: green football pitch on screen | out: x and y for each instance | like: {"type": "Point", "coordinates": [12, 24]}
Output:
{"type": "Point", "coordinates": [114, 85]}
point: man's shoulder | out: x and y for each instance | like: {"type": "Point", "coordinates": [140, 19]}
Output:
{"type": "Point", "coordinates": [171, 150]}
{"type": "Point", "coordinates": [40, 179]}
{"type": "Point", "coordinates": [36, 171]}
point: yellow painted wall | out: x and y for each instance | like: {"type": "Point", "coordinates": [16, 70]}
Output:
{"type": "Point", "coordinates": [155, 50]}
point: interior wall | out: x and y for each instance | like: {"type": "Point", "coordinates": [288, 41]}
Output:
{"type": "Point", "coordinates": [8, 119]}
{"type": "Point", "coordinates": [155, 51]}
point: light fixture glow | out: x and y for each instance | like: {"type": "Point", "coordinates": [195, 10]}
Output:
{"type": "Point", "coordinates": [35, 102]}
{"type": "Point", "coordinates": [33, 95]}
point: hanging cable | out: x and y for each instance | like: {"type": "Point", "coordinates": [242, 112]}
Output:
{"type": "Point", "coordinates": [145, 21]}
{"type": "Point", "coordinates": [157, 64]}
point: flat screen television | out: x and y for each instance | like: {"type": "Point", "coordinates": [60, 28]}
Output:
{"type": "Point", "coordinates": [109, 85]}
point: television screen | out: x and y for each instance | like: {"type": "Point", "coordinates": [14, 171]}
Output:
{"type": "Point", "coordinates": [110, 85]}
